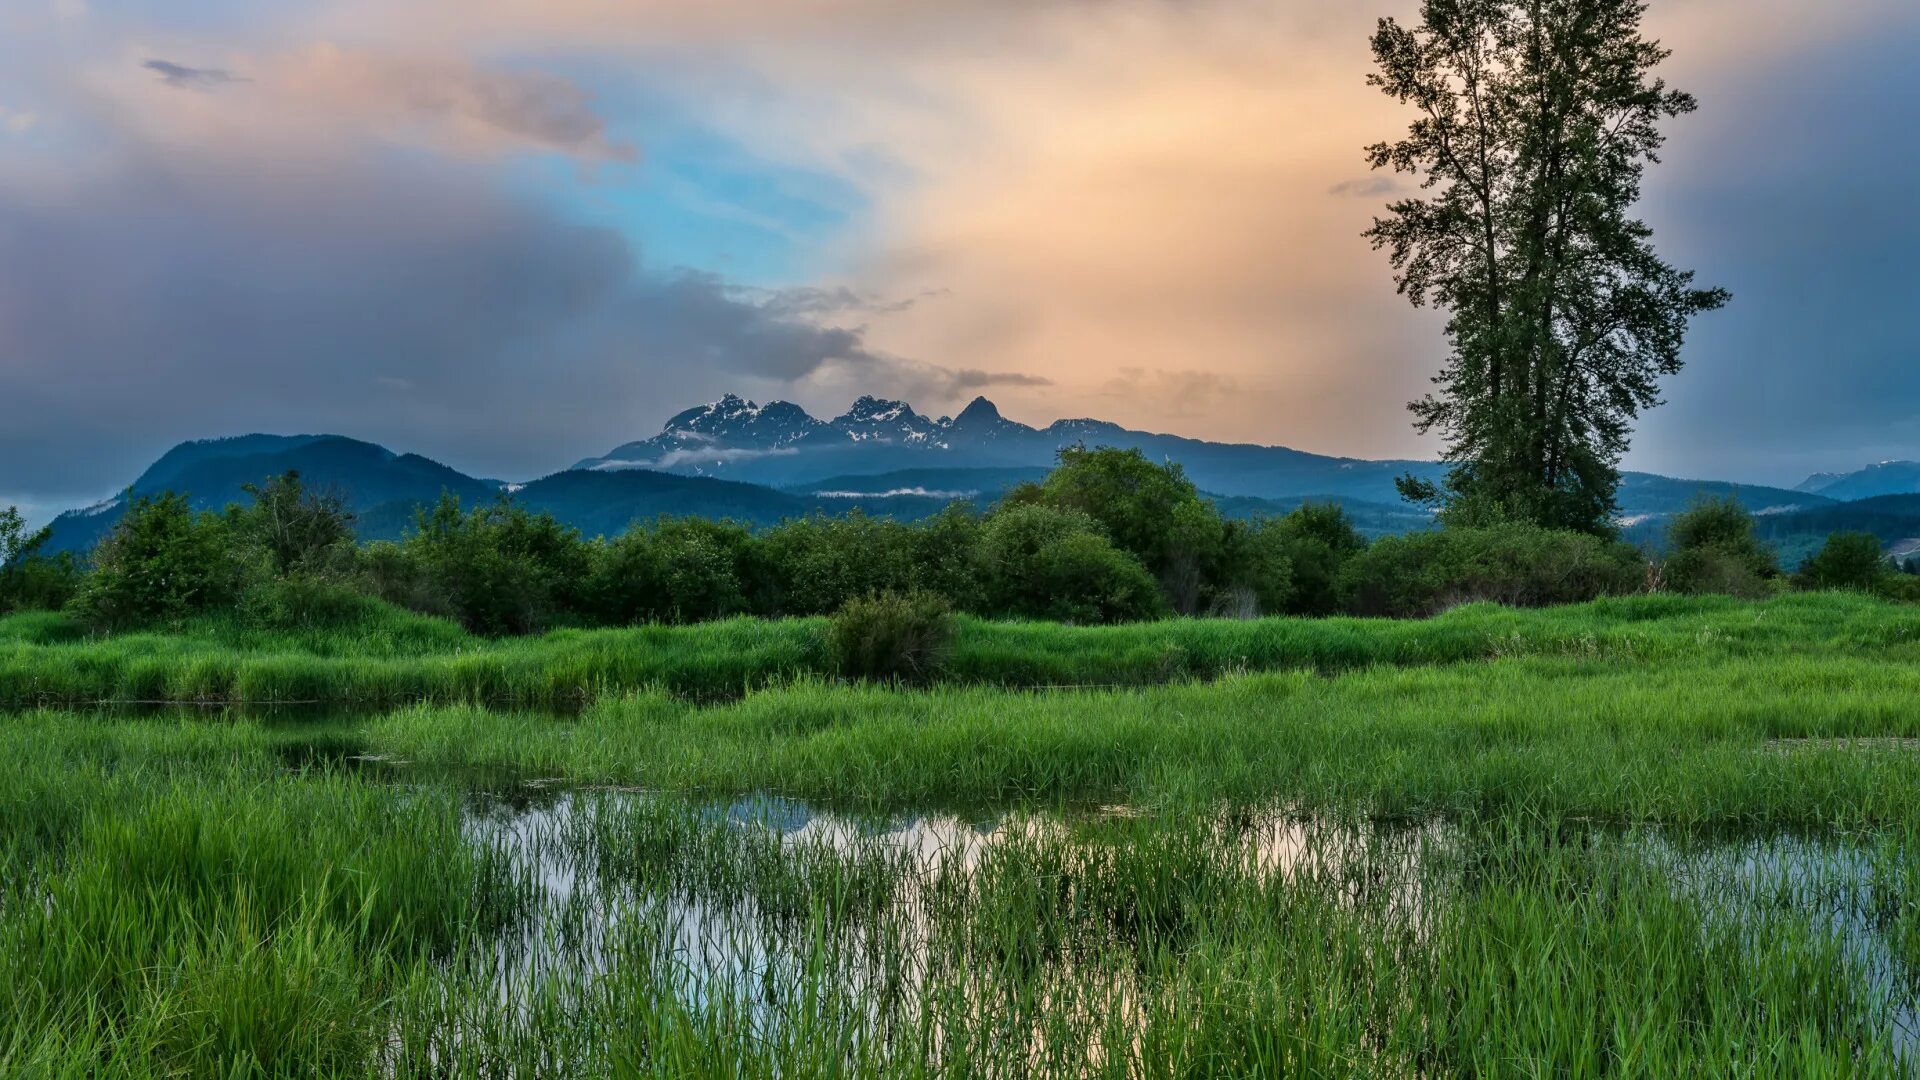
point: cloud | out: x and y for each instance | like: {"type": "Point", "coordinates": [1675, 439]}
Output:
{"type": "Point", "coordinates": [1373, 187]}
{"type": "Point", "coordinates": [1188, 394]}
{"type": "Point", "coordinates": [1812, 367]}
{"type": "Point", "coordinates": [174, 296]}
{"type": "Point", "coordinates": [809, 300]}
{"type": "Point", "coordinates": [326, 99]}
{"type": "Point", "coordinates": [1151, 205]}
{"type": "Point", "coordinates": [181, 77]}
{"type": "Point", "coordinates": [967, 379]}
{"type": "Point", "coordinates": [893, 493]}
{"type": "Point", "coordinates": [482, 105]}
{"type": "Point", "coordinates": [699, 455]}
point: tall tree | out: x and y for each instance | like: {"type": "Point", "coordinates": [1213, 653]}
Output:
{"type": "Point", "coordinates": [1536, 122]}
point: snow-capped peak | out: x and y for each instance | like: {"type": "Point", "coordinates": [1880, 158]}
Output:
{"type": "Point", "coordinates": [873, 410]}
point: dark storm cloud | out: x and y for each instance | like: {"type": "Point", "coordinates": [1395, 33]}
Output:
{"type": "Point", "coordinates": [1372, 187]}
{"type": "Point", "coordinates": [182, 77]}
{"type": "Point", "coordinates": [1799, 196]}
{"type": "Point", "coordinates": [975, 379]}
{"type": "Point", "coordinates": [409, 304]}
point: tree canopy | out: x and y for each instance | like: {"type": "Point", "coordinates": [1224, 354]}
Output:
{"type": "Point", "coordinates": [1536, 121]}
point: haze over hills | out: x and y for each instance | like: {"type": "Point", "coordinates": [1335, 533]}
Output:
{"type": "Point", "coordinates": [760, 464]}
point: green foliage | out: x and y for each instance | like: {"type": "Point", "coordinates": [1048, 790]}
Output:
{"type": "Point", "coordinates": [301, 602]}
{"type": "Point", "coordinates": [1712, 549]}
{"type": "Point", "coordinates": [285, 562]}
{"type": "Point", "coordinates": [1152, 512]}
{"type": "Point", "coordinates": [300, 531]}
{"type": "Point", "coordinates": [29, 580]}
{"type": "Point", "coordinates": [1319, 541]}
{"type": "Point", "coordinates": [944, 558]}
{"type": "Point", "coordinates": [1714, 572]}
{"type": "Point", "coordinates": [1256, 571]}
{"type": "Point", "coordinates": [819, 563]}
{"type": "Point", "coordinates": [679, 570]}
{"type": "Point", "coordinates": [396, 574]}
{"type": "Point", "coordinates": [162, 561]}
{"type": "Point", "coordinates": [198, 909]}
{"type": "Point", "coordinates": [498, 568]}
{"type": "Point", "coordinates": [1040, 562]}
{"type": "Point", "coordinates": [1535, 126]}
{"type": "Point", "coordinates": [896, 637]}
{"type": "Point", "coordinates": [1515, 564]}
{"type": "Point", "coordinates": [1847, 561]}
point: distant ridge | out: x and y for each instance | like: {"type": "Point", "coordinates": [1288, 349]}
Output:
{"type": "Point", "coordinates": [780, 444]}
{"type": "Point", "coordinates": [760, 464]}
{"type": "Point", "coordinates": [1886, 478]}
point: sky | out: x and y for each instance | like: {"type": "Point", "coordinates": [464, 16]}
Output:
{"type": "Point", "coordinates": [510, 234]}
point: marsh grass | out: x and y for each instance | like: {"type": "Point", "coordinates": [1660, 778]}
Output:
{"type": "Point", "coordinates": [1179, 943]}
{"type": "Point", "coordinates": [399, 658]}
{"type": "Point", "coordinates": [178, 901]}
{"type": "Point", "coordinates": [1564, 843]}
{"type": "Point", "coordinates": [1685, 743]}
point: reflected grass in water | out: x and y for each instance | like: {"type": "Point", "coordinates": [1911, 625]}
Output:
{"type": "Point", "coordinates": [1223, 943]}
{"type": "Point", "coordinates": [195, 898]}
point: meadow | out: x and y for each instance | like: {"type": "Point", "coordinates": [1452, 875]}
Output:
{"type": "Point", "coordinates": [1650, 836]}
{"type": "Point", "coordinates": [390, 657]}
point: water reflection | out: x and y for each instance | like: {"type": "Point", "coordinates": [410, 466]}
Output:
{"type": "Point", "coordinates": [750, 900]}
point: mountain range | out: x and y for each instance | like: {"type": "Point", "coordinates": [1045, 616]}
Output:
{"type": "Point", "coordinates": [760, 464]}
{"type": "Point", "coordinates": [1886, 478]}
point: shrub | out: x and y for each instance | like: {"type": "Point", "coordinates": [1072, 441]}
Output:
{"type": "Point", "coordinates": [29, 580]}
{"type": "Point", "coordinates": [816, 564]}
{"type": "Point", "coordinates": [298, 531]}
{"type": "Point", "coordinates": [161, 561]}
{"type": "Point", "coordinates": [1039, 562]}
{"type": "Point", "coordinates": [680, 570]}
{"type": "Point", "coordinates": [1713, 549]}
{"type": "Point", "coordinates": [892, 636]}
{"type": "Point", "coordinates": [944, 560]}
{"type": "Point", "coordinates": [1713, 572]}
{"type": "Point", "coordinates": [1152, 512]}
{"type": "Point", "coordinates": [1849, 560]}
{"type": "Point", "coordinates": [1258, 571]}
{"type": "Point", "coordinates": [1319, 541]}
{"type": "Point", "coordinates": [303, 602]}
{"type": "Point", "coordinates": [1520, 565]}
{"type": "Point", "coordinates": [499, 569]}
{"type": "Point", "coordinates": [1901, 588]}
{"type": "Point", "coordinates": [396, 574]}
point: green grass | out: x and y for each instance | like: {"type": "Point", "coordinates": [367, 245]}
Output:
{"type": "Point", "coordinates": [1637, 838]}
{"type": "Point", "coordinates": [174, 902]}
{"type": "Point", "coordinates": [1703, 741]}
{"type": "Point", "coordinates": [399, 658]}
{"type": "Point", "coordinates": [178, 904]}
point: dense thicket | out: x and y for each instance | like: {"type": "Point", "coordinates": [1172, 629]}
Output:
{"type": "Point", "coordinates": [1108, 537]}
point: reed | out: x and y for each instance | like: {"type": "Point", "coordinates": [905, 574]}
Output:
{"type": "Point", "coordinates": [398, 658]}
{"type": "Point", "coordinates": [1814, 741]}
